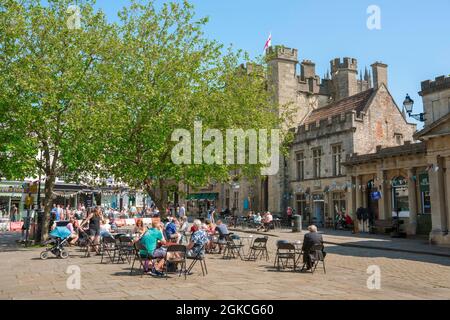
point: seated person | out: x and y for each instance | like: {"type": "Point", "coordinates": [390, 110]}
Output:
{"type": "Point", "coordinates": [139, 228]}
{"type": "Point", "coordinates": [184, 229]}
{"type": "Point", "coordinates": [171, 231]}
{"type": "Point", "coordinates": [73, 227]}
{"type": "Point", "coordinates": [198, 240]}
{"type": "Point", "coordinates": [348, 220]}
{"type": "Point", "coordinates": [257, 220]}
{"type": "Point", "coordinates": [105, 229]}
{"type": "Point", "coordinates": [266, 221]}
{"type": "Point", "coordinates": [222, 229]}
{"type": "Point", "coordinates": [153, 238]}
{"type": "Point", "coordinates": [312, 238]}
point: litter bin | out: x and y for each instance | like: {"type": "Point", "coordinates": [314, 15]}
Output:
{"type": "Point", "coordinates": [297, 223]}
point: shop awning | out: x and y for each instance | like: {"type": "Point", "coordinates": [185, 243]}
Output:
{"type": "Point", "coordinates": [202, 196]}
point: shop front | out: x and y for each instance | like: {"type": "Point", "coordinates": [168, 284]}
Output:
{"type": "Point", "coordinates": [199, 203]}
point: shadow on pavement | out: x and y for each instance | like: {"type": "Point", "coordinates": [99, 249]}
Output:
{"type": "Point", "coordinates": [353, 249]}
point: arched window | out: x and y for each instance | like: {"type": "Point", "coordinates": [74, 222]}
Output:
{"type": "Point", "coordinates": [400, 196]}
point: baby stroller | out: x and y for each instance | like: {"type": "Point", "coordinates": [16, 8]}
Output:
{"type": "Point", "coordinates": [58, 238]}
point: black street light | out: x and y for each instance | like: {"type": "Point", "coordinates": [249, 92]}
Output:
{"type": "Point", "coordinates": [408, 105]}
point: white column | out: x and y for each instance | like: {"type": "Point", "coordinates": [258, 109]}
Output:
{"type": "Point", "coordinates": [437, 194]}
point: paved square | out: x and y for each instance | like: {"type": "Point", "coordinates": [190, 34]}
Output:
{"type": "Point", "coordinates": [403, 276]}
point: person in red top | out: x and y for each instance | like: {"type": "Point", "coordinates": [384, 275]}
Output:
{"type": "Point", "coordinates": [348, 220]}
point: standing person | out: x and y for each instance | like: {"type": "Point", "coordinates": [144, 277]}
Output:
{"type": "Point", "coordinates": [60, 212]}
{"type": "Point", "coordinates": [95, 219]}
{"type": "Point", "coordinates": [289, 215]}
{"type": "Point", "coordinates": [182, 211]}
{"type": "Point", "coordinates": [13, 213]}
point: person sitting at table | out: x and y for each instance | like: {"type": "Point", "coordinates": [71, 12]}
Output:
{"type": "Point", "coordinates": [257, 220]}
{"type": "Point", "coordinates": [105, 229]}
{"type": "Point", "coordinates": [139, 228]}
{"type": "Point", "coordinates": [73, 227]}
{"type": "Point", "coordinates": [348, 220]}
{"type": "Point", "coordinates": [210, 230]}
{"type": "Point", "coordinates": [266, 221]}
{"type": "Point", "coordinates": [222, 229]}
{"type": "Point", "coordinates": [198, 241]}
{"type": "Point", "coordinates": [171, 231]}
{"type": "Point", "coordinates": [152, 240]}
{"type": "Point", "coordinates": [312, 238]}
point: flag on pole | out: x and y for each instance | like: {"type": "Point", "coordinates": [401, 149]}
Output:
{"type": "Point", "coordinates": [268, 43]}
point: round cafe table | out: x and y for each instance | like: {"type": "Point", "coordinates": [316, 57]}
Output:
{"type": "Point", "coordinates": [249, 240]}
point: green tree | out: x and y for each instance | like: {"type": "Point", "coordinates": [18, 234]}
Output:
{"type": "Point", "coordinates": [167, 76]}
{"type": "Point", "coordinates": [53, 62]}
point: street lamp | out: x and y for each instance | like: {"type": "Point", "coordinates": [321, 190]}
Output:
{"type": "Point", "coordinates": [408, 105]}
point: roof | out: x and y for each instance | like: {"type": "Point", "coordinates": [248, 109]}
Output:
{"type": "Point", "coordinates": [356, 103]}
{"type": "Point", "coordinates": [405, 149]}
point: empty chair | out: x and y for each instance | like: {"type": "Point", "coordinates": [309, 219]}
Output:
{"type": "Point", "coordinates": [126, 249]}
{"type": "Point", "coordinates": [259, 249]}
{"type": "Point", "coordinates": [109, 247]}
{"type": "Point", "coordinates": [286, 252]}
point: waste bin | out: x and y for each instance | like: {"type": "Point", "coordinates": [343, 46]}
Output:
{"type": "Point", "coordinates": [297, 223]}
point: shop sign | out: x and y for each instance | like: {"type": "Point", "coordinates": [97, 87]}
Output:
{"type": "Point", "coordinates": [424, 182]}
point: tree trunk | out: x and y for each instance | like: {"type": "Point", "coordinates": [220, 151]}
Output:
{"type": "Point", "coordinates": [48, 201]}
{"type": "Point", "coordinates": [159, 196]}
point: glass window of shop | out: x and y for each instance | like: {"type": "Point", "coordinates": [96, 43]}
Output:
{"type": "Point", "coordinates": [424, 184]}
{"type": "Point", "coordinates": [400, 194]}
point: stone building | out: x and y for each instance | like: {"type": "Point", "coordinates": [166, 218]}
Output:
{"type": "Point", "coordinates": [436, 136]}
{"type": "Point", "coordinates": [392, 180]}
{"type": "Point", "coordinates": [337, 116]}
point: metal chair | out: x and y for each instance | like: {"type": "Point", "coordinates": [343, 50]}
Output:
{"type": "Point", "coordinates": [285, 253]}
{"type": "Point", "coordinates": [232, 249]}
{"type": "Point", "coordinates": [200, 256]}
{"type": "Point", "coordinates": [126, 249]}
{"type": "Point", "coordinates": [109, 246]}
{"type": "Point", "coordinates": [317, 251]}
{"type": "Point", "coordinates": [258, 249]}
{"type": "Point", "coordinates": [137, 246]}
{"type": "Point", "coordinates": [179, 258]}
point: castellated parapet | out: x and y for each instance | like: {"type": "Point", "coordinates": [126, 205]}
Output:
{"type": "Point", "coordinates": [330, 126]}
{"type": "Point", "coordinates": [439, 84]}
{"type": "Point", "coordinates": [344, 64]}
{"type": "Point", "coordinates": [280, 52]}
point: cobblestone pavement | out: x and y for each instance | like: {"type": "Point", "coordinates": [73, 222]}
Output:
{"type": "Point", "coordinates": [403, 276]}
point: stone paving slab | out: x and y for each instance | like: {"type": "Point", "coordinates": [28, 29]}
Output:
{"type": "Point", "coordinates": [403, 276]}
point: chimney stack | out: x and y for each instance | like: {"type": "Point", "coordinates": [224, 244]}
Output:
{"type": "Point", "coordinates": [379, 71]}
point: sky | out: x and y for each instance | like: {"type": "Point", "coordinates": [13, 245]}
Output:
{"type": "Point", "coordinates": [414, 38]}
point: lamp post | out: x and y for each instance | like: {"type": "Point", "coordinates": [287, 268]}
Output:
{"type": "Point", "coordinates": [408, 104]}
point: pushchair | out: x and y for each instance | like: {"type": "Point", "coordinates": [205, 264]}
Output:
{"type": "Point", "coordinates": [58, 239]}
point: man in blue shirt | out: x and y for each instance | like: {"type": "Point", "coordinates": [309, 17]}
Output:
{"type": "Point", "coordinates": [171, 230]}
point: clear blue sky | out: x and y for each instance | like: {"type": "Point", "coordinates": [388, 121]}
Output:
{"type": "Point", "coordinates": [414, 39]}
